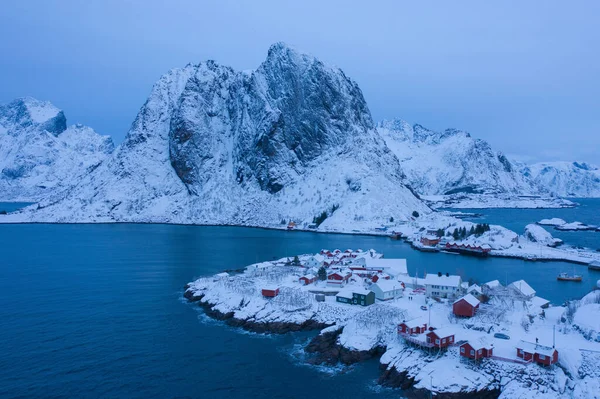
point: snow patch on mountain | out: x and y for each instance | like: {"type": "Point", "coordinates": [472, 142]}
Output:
{"type": "Point", "coordinates": [39, 155]}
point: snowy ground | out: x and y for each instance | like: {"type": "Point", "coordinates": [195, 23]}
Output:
{"type": "Point", "coordinates": [576, 330]}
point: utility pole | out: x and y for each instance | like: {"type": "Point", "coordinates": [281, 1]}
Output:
{"type": "Point", "coordinates": [429, 314]}
{"type": "Point", "coordinates": [430, 387]}
{"type": "Point", "coordinates": [553, 335]}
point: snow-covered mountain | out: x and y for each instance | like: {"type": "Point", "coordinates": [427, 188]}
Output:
{"type": "Point", "coordinates": [288, 141]}
{"type": "Point", "coordinates": [448, 162]}
{"type": "Point", "coordinates": [39, 155]}
{"type": "Point", "coordinates": [566, 179]}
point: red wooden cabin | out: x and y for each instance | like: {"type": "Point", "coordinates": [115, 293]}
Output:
{"type": "Point", "coordinates": [540, 354]}
{"type": "Point", "coordinates": [440, 338]}
{"type": "Point", "coordinates": [465, 306]}
{"type": "Point", "coordinates": [308, 279]}
{"type": "Point", "coordinates": [270, 292]}
{"type": "Point", "coordinates": [476, 350]}
{"type": "Point", "coordinates": [416, 326]}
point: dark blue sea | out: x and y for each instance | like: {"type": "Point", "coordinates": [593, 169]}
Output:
{"type": "Point", "coordinates": [96, 311]}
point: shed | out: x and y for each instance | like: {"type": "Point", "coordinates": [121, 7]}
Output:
{"type": "Point", "coordinates": [308, 279]}
{"type": "Point", "coordinates": [540, 302]}
{"type": "Point", "coordinates": [441, 338]}
{"type": "Point", "coordinates": [344, 296]}
{"type": "Point", "coordinates": [270, 291]}
{"type": "Point", "coordinates": [465, 306]}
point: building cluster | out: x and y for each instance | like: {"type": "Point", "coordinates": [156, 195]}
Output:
{"type": "Point", "coordinates": [416, 332]}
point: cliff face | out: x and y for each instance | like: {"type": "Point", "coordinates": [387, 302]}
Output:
{"type": "Point", "coordinates": [290, 140]}
{"type": "Point", "coordinates": [266, 126]}
{"type": "Point", "coordinates": [39, 155]}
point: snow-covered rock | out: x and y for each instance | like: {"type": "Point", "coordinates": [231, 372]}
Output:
{"type": "Point", "coordinates": [567, 179]}
{"type": "Point", "coordinates": [290, 140]}
{"type": "Point", "coordinates": [552, 222]}
{"type": "Point", "coordinates": [448, 162]}
{"type": "Point", "coordinates": [538, 234]}
{"type": "Point", "coordinates": [39, 155]}
{"type": "Point", "coordinates": [587, 320]}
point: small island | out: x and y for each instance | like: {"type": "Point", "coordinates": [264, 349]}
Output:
{"type": "Point", "coordinates": [437, 334]}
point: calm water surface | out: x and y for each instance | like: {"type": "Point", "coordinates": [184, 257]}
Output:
{"type": "Point", "coordinates": [96, 311]}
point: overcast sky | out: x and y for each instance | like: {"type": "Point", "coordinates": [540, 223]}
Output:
{"type": "Point", "coordinates": [522, 75]}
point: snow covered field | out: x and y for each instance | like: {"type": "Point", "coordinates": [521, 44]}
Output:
{"type": "Point", "coordinates": [516, 312]}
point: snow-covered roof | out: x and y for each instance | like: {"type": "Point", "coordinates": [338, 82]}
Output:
{"type": "Point", "coordinates": [475, 288]}
{"type": "Point", "coordinates": [464, 284]}
{"type": "Point", "coordinates": [270, 287]}
{"type": "Point", "coordinates": [319, 258]}
{"type": "Point", "coordinates": [418, 322]}
{"type": "Point", "coordinates": [360, 291]}
{"type": "Point", "coordinates": [471, 300]}
{"type": "Point", "coordinates": [224, 274]}
{"type": "Point", "coordinates": [388, 285]}
{"type": "Point", "coordinates": [522, 287]}
{"type": "Point", "coordinates": [448, 281]}
{"type": "Point", "coordinates": [493, 284]}
{"type": "Point", "coordinates": [444, 332]}
{"type": "Point", "coordinates": [538, 301]}
{"type": "Point", "coordinates": [391, 266]}
{"type": "Point", "coordinates": [480, 343]}
{"type": "Point", "coordinates": [530, 347]}
{"type": "Point", "coordinates": [345, 293]}
{"type": "Point", "coordinates": [431, 237]}
{"type": "Point", "coordinates": [309, 276]}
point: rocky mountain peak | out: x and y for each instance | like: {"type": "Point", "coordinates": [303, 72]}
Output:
{"type": "Point", "coordinates": [29, 112]}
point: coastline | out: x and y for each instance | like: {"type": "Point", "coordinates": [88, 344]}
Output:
{"type": "Point", "coordinates": [561, 255]}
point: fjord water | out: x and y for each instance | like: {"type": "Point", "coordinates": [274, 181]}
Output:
{"type": "Point", "coordinates": [97, 311]}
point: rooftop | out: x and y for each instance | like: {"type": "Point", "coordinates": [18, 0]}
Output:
{"type": "Point", "coordinates": [522, 287]}
{"type": "Point", "coordinates": [434, 279]}
{"type": "Point", "coordinates": [392, 266]}
{"type": "Point", "coordinates": [471, 300]}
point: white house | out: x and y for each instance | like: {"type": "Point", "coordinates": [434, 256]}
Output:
{"type": "Point", "coordinates": [521, 288]}
{"type": "Point", "coordinates": [442, 285]}
{"type": "Point", "coordinates": [475, 290]}
{"type": "Point", "coordinates": [393, 267]}
{"type": "Point", "coordinates": [315, 261]}
{"type": "Point", "coordinates": [387, 289]}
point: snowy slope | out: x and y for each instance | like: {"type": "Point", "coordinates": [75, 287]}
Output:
{"type": "Point", "coordinates": [567, 179]}
{"type": "Point", "coordinates": [39, 155]}
{"type": "Point", "coordinates": [451, 161]}
{"type": "Point", "coordinates": [290, 140]}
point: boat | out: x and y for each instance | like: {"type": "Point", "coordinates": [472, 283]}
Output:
{"type": "Point", "coordinates": [569, 277]}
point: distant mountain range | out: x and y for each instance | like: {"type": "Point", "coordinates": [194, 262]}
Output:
{"type": "Point", "coordinates": [40, 156]}
{"type": "Point", "coordinates": [290, 140]}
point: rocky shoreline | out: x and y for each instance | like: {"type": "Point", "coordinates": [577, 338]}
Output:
{"type": "Point", "coordinates": [324, 348]}
{"type": "Point", "coordinates": [251, 325]}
